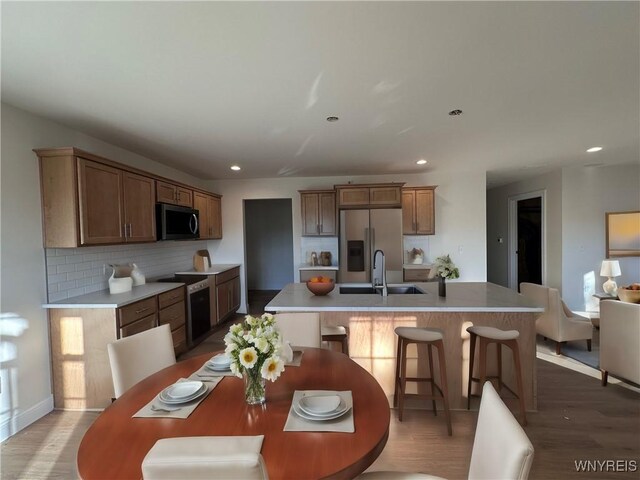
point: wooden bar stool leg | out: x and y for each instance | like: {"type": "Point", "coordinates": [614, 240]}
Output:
{"type": "Point", "coordinates": [499, 359]}
{"type": "Point", "coordinates": [516, 358]}
{"type": "Point", "coordinates": [403, 379]}
{"type": "Point", "coordinates": [432, 375]}
{"type": "Point", "coordinates": [483, 361]}
{"type": "Point", "coordinates": [397, 379]}
{"type": "Point", "coordinates": [472, 352]}
{"type": "Point", "coordinates": [443, 383]}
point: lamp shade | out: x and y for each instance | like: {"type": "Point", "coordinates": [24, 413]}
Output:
{"type": "Point", "coordinates": [610, 268]}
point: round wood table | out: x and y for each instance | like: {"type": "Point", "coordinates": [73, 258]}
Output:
{"type": "Point", "coordinates": [115, 445]}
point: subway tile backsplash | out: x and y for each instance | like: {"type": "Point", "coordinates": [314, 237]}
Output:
{"type": "Point", "coordinates": [76, 271]}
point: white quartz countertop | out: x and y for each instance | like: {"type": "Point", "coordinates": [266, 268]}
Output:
{"type": "Point", "coordinates": [461, 297]}
{"type": "Point", "coordinates": [103, 299]}
{"type": "Point", "coordinates": [318, 267]}
{"type": "Point", "coordinates": [214, 269]}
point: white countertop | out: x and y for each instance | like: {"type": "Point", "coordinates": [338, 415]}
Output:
{"type": "Point", "coordinates": [420, 266]}
{"type": "Point", "coordinates": [103, 299]}
{"type": "Point", "coordinates": [214, 269]}
{"type": "Point", "coordinates": [461, 297]}
{"type": "Point", "coordinates": [318, 267]}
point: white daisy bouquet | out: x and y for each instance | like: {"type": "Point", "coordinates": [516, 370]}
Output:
{"type": "Point", "coordinates": [254, 349]}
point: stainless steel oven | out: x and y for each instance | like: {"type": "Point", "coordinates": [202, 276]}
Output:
{"type": "Point", "coordinates": [198, 306]}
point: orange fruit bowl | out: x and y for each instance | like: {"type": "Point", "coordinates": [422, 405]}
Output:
{"type": "Point", "coordinates": [322, 287]}
{"type": "Point", "coordinates": [628, 295]}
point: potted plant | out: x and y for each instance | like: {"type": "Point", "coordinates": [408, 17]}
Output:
{"type": "Point", "coordinates": [445, 268]}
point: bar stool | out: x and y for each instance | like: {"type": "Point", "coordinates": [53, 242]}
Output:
{"type": "Point", "coordinates": [336, 334]}
{"type": "Point", "coordinates": [431, 337]}
{"type": "Point", "coordinates": [487, 336]}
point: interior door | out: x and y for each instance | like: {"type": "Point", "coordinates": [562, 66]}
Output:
{"type": "Point", "coordinates": [529, 241]}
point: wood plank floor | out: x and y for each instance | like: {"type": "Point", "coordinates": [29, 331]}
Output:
{"type": "Point", "coordinates": [577, 420]}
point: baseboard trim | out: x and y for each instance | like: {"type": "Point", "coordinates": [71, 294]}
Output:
{"type": "Point", "coordinates": [21, 420]}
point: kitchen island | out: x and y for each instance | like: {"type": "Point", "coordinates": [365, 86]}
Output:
{"type": "Point", "coordinates": [372, 318]}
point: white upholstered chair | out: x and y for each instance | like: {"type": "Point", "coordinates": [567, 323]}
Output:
{"type": "Point", "coordinates": [557, 322]}
{"type": "Point", "coordinates": [138, 356]}
{"type": "Point", "coordinates": [300, 329]}
{"type": "Point", "coordinates": [501, 448]}
{"type": "Point", "coordinates": [620, 340]}
{"type": "Point", "coordinates": [197, 458]}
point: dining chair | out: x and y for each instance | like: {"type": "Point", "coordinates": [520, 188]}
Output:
{"type": "Point", "coordinates": [199, 458]}
{"type": "Point", "coordinates": [138, 356]}
{"type": "Point", "coordinates": [501, 448]}
{"type": "Point", "coordinates": [300, 329]}
{"type": "Point", "coordinates": [557, 322]}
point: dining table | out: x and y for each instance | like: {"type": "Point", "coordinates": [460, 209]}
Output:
{"type": "Point", "coordinates": [115, 445]}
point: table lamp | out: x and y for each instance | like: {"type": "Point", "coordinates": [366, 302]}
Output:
{"type": "Point", "coordinates": [610, 268]}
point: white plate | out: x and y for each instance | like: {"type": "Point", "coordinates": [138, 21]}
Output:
{"type": "Point", "coordinates": [182, 391]}
{"type": "Point", "coordinates": [216, 368]}
{"type": "Point", "coordinates": [342, 408]}
{"type": "Point", "coordinates": [315, 418]}
{"type": "Point", "coordinates": [319, 404]}
{"type": "Point", "coordinates": [170, 401]}
{"type": "Point", "coordinates": [220, 360]}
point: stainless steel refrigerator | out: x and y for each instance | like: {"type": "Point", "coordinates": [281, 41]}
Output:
{"type": "Point", "coordinates": [362, 232]}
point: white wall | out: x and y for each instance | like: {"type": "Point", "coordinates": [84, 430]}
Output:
{"type": "Point", "coordinates": [24, 346]}
{"type": "Point", "coordinates": [587, 194]}
{"type": "Point", "coordinates": [498, 227]}
{"type": "Point", "coordinates": [460, 216]}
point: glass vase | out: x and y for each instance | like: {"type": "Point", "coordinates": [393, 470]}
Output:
{"type": "Point", "coordinates": [254, 386]}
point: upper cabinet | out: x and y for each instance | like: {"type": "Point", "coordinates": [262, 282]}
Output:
{"type": "Point", "coordinates": [90, 200]}
{"type": "Point", "coordinates": [210, 215]}
{"type": "Point", "coordinates": [418, 211]}
{"type": "Point", "coordinates": [384, 195]}
{"type": "Point", "coordinates": [173, 194]}
{"type": "Point", "coordinates": [318, 213]}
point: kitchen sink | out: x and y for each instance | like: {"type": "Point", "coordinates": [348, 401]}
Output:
{"type": "Point", "coordinates": [395, 290]}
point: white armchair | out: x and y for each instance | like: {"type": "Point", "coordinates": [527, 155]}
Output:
{"type": "Point", "coordinates": [557, 322]}
{"type": "Point", "coordinates": [620, 340]}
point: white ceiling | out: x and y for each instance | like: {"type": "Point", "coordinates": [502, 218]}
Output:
{"type": "Point", "coordinates": [202, 86]}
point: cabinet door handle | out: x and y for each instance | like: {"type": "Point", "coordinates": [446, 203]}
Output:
{"type": "Point", "coordinates": [130, 231]}
{"type": "Point", "coordinates": [142, 310]}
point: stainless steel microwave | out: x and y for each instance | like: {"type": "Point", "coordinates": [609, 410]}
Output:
{"type": "Point", "coordinates": [176, 223]}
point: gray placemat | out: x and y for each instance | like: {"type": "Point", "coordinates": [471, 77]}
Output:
{"type": "Point", "coordinates": [204, 374]}
{"type": "Point", "coordinates": [184, 409]}
{"type": "Point", "coordinates": [344, 424]}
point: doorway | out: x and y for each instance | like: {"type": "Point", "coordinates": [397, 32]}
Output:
{"type": "Point", "coordinates": [268, 227]}
{"type": "Point", "coordinates": [527, 239]}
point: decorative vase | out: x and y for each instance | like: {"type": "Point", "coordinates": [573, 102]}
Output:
{"type": "Point", "coordinates": [442, 286]}
{"type": "Point", "coordinates": [254, 386]}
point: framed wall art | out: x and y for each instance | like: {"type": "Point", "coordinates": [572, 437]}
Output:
{"type": "Point", "coordinates": [622, 234]}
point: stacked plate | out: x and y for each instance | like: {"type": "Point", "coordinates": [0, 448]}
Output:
{"type": "Point", "coordinates": [182, 392]}
{"type": "Point", "coordinates": [219, 363]}
{"type": "Point", "coordinates": [320, 408]}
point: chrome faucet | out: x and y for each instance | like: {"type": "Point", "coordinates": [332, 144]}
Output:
{"type": "Point", "coordinates": [381, 280]}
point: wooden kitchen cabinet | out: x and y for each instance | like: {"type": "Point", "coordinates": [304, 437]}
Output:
{"type": "Point", "coordinates": [418, 211]}
{"type": "Point", "coordinates": [85, 202]}
{"type": "Point", "coordinates": [318, 213]}
{"type": "Point", "coordinates": [210, 215]}
{"type": "Point", "coordinates": [173, 194]}
{"type": "Point", "coordinates": [227, 293]}
{"type": "Point", "coordinates": [384, 195]}
{"type": "Point", "coordinates": [91, 200]}
{"type": "Point", "coordinates": [173, 311]}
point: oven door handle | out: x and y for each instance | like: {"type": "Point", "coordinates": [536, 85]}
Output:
{"type": "Point", "coordinates": [194, 230]}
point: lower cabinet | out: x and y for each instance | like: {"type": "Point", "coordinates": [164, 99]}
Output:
{"type": "Point", "coordinates": [79, 337]}
{"type": "Point", "coordinates": [416, 274]}
{"type": "Point", "coordinates": [227, 293]}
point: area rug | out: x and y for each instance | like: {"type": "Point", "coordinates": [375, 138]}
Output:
{"type": "Point", "coordinates": [576, 350]}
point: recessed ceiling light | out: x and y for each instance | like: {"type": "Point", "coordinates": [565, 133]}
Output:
{"type": "Point", "coordinates": [593, 149]}
{"type": "Point", "coordinates": [422, 161]}
{"type": "Point", "coordinates": [235, 168]}
{"type": "Point", "coordinates": [455, 113]}
{"type": "Point", "coordinates": [332, 119]}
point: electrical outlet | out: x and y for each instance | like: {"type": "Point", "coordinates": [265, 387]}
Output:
{"type": "Point", "coordinates": [460, 249]}
{"type": "Point", "coordinates": [104, 269]}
